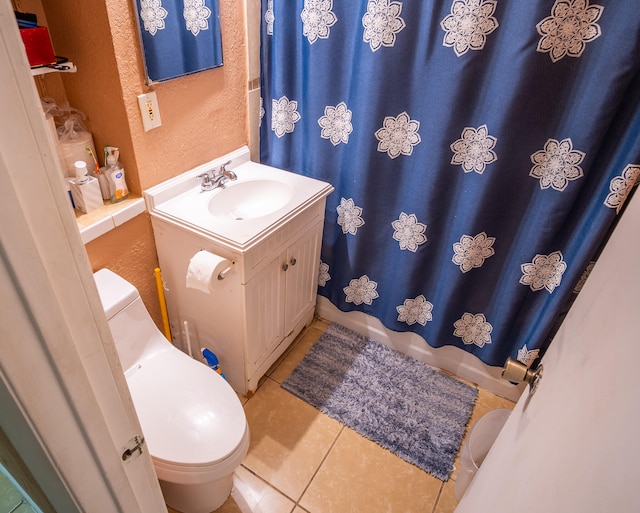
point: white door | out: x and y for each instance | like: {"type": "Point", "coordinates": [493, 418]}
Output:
{"type": "Point", "coordinates": [573, 446]}
{"type": "Point", "coordinates": [64, 403]}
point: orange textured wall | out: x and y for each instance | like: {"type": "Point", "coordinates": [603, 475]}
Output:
{"type": "Point", "coordinates": [130, 251]}
{"type": "Point", "coordinates": [204, 115]}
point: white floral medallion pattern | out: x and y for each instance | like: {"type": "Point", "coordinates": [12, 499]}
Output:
{"type": "Point", "coordinates": [269, 17]}
{"type": "Point", "coordinates": [620, 187]}
{"type": "Point", "coordinates": [381, 23]}
{"type": "Point", "coordinates": [469, 24]}
{"type": "Point", "coordinates": [349, 216]}
{"type": "Point", "coordinates": [336, 124]}
{"type": "Point", "coordinates": [527, 356]}
{"type": "Point", "coordinates": [473, 329]}
{"type": "Point", "coordinates": [415, 310]}
{"type": "Point", "coordinates": [471, 252]}
{"type": "Point", "coordinates": [284, 115]}
{"type": "Point", "coordinates": [317, 18]}
{"type": "Point", "coordinates": [409, 232]}
{"type": "Point", "coordinates": [557, 164]}
{"type": "Point", "coordinates": [361, 290]}
{"type": "Point", "coordinates": [544, 272]}
{"type": "Point", "coordinates": [152, 14]}
{"type": "Point", "coordinates": [261, 112]}
{"type": "Point", "coordinates": [474, 150]}
{"type": "Point", "coordinates": [323, 274]}
{"type": "Point", "coordinates": [570, 27]}
{"type": "Point", "coordinates": [196, 15]}
{"type": "Point", "coordinates": [398, 135]}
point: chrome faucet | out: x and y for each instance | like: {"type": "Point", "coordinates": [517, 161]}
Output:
{"type": "Point", "coordinates": [225, 174]}
{"type": "Point", "coordinates": [210, 182]}
{"type": "Point", "coordinates": [206, 184]}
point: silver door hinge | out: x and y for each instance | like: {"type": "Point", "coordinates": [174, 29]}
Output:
{"type": "Point", "coordinates": [133, 447]}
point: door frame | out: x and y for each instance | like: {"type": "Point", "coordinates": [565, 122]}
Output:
{"type": "Point", "coordinates": [65, 404]}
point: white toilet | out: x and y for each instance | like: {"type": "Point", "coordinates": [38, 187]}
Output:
{"type": "Point", "coordinates": [191, 418]}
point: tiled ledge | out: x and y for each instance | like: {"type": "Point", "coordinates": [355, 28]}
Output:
{"type": "Point", "coordinates": [106, 218]}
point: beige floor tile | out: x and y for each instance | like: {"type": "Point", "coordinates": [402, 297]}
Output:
{"type": "Point", "coordinates": [289, 439]}
{"type": "Point", "coordinates": [297, 352]}
{"type": "Point", "coordinates": [358, 475]}
{"type": "Point", "coordinates": [251, 494]}
{"type": "Point", "coordinates": [493, 401]}
{"type": "Point", "coordinates": [447, 501]}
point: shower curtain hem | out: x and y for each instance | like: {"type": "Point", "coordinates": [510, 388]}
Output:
{"type": "Point", "coordinates": [448, 358]}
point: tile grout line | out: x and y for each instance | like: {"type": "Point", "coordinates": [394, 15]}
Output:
{"type": "Point", "coordinates": [437, 501]}
{"type": "Point", "coordinates": [320, 466]}
{"type": "Point", "coordinates": [271, 485]}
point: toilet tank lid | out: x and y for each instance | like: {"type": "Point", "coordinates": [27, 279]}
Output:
{"type": "Point", "coordinates": [115, 292]}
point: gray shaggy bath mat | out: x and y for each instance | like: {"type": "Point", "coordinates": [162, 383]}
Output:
{"type": "Point", "coordinates": [403, 405]}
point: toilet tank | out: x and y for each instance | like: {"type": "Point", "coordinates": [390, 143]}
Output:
{"type": "Point", "coordinates": [115, 292]}
{"type": "Point", "coordinates": [136, 336]}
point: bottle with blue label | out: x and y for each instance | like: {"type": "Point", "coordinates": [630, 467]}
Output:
{"type": "Point", "coordinates": [115, 173]}
{"type": "Point", "coordinates": [212, 361]}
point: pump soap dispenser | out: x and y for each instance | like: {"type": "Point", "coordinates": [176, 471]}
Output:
{"type": "Point", "coordinates": [115, 173]}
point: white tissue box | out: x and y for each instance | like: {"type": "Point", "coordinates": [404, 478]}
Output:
{"type": "Point", "coordinates": [86, 196]}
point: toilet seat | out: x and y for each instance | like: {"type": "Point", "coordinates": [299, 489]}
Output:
{"type": "Point", "coordinates": [191, 475]}
{"type": "Point", "coordinates": [192, 420]}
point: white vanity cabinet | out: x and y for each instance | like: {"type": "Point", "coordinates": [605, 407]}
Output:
{"type": "Point", "coordinates": [253, 314]}
{"type": "Point", "coordinates": [281, 299]}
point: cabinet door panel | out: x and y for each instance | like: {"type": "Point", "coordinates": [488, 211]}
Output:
{"type": "Point", "coordinates": [264, 314]}
{"type": "Point", "coordinates": [302, 277]}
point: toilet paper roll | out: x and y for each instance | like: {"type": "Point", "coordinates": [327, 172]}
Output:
{"type": "Point", "coordinates": [203, 271]}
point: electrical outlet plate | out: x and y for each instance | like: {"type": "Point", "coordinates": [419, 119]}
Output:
{"type": "Point", "coordinates": [149, 110]}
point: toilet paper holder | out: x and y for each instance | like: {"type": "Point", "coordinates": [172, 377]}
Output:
{"type": "Point", "coordinates": [223, 274]}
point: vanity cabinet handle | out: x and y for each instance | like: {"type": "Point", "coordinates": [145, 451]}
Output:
{"type": "Point", "coordinates": [285, 267]}
{"type": "Point", "coordinates": [292, 261]}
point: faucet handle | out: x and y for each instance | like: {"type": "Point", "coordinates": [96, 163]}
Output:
{"type": "Point", "coordinates": [226, 172]}
{"type": "Point", "coordinates": [206, 183]}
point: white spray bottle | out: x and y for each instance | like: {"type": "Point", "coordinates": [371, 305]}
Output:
{"type": "Point", "coordinates": [117, 183]}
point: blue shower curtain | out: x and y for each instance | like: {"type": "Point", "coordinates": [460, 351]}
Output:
{"type": "Point", "coordinates": [480, 152]}
{"type": "Point", "coordinates": [179, 37]}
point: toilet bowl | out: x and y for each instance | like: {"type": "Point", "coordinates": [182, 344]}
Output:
{"type": "Point", "coordinates": [191, 418]}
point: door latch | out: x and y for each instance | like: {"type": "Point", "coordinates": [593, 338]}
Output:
{"type": "Point", "coordinates": [518, 372]}
{"type": "Point", "coordinates": [133, 447]}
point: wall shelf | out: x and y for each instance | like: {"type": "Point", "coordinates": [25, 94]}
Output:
{"type": "Point", "coordinates": [43, 70]}
{"type": "Point", "coordinates": [107, 217]}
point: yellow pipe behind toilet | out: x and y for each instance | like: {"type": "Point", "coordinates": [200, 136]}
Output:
{"type": "Point", "coordinates": [163, 304]}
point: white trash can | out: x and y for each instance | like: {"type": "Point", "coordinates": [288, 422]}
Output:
{"type": "Point", "coordinates": [476, 447]}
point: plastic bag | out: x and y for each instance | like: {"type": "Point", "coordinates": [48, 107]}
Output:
{"type": "Point", "coordinates": [76, 142]}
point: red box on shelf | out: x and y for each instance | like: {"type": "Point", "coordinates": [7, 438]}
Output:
{"type": "Point", "coordinates": [38, 45]}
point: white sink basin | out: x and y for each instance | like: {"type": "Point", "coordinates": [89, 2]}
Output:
{"type": "Point", "coordinates": [250, 199]}
{"type": "Point", "coordinates": [246, 210]}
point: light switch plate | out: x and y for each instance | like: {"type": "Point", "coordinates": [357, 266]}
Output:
{"type": "Point", "coordinates": [149, 110]}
